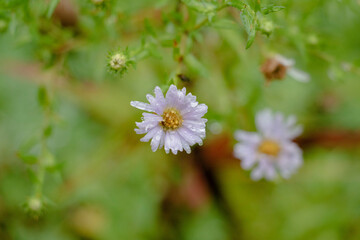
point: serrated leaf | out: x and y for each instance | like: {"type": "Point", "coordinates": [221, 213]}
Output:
{"type": "Point", "coordinates": [237, 4]}
{"type": "Point", "coordinates": [270, 9]}
{"type": "Point", "coordinates": [248, 17]}
{"type": "Point", "coordinates": [201, 6]}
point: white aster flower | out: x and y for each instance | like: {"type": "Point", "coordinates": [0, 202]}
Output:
{"type": "Point", "coordinates": [175, 121]}
{"type": "Point", "coordinates": [270, 152]}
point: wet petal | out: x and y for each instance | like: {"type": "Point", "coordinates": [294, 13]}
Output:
{"type": "Point", "coordinates": [298, 75]}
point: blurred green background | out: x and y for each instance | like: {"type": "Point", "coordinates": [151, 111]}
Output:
{"type": "Point", "coordinates": [103, 183]}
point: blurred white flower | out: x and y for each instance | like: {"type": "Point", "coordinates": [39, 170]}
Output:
{"type": "Point", "coordinates": [278, 67]}
{"type": "Point", "coordinates": [270, 152]}
{"type": "Point", "coordinates": [175, 121]}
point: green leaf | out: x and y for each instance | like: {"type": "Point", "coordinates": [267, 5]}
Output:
{"type": "Point", "coordinates": [201, 6]}
{"type": "Point", "coordinates": [47, 131]}
{"type": "Point", "coordinates": [52, 6]}
{"type": "Point", "coordinates": [43, 97]}
{"type": "Point", "coordinates": [248, 17]}
{"type": "Point", "coordinates": [28, 159]}
{"type": "Point", "coordinates": [257, 6]}
{"type": "Point", "coordinates": [237, 4]}
{"type": "Point", "coordinates": [32, 175]}
{"type": "Point", "coordinates": [271, 8]}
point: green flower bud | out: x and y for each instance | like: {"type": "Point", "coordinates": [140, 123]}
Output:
{"type": "Point", "coordinates": [35, 204]}
{"type": "Point", "coordinates": [266, 27]}
{"type": "Point", "coordinates": [118, 61]}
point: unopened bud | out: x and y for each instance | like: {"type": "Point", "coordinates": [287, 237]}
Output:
{"type": "Point", "coordinates": [118, 62]}
{"type": "Point", "coordinates": [35, 204]}
{"type": "Point", "coordinates": [266, 27]}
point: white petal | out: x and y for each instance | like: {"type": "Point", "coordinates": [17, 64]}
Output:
{"type": "Point", "coordinates": [246, 154]}
{"type": "Point", "coordinates": [158, 102]}
{"type": "Point", "coordinates": [167, 142]}
{"type": "Point", "coordinates": [151, 134]}
{"type": "Point", "coordinates": [198, 130]}
{"type": "Point", "coordinates": [257, 173]}
{"type": "Point", "coordinates": [155, 142]}
{"type": "Point", "coordinates": [285, 61]}
{"type": "Point", "coordinates": [151, 117]}
{"type": "Point", "coordinates": [247, 137]}
{"type": "Point", "coordinates": [294, 132]}
{"type": "Point", "coordinates": [142, 106]}
{"type": "Point", "coordinates": [264, 122]}
{"type": "Point", "coordinates": [290, 159]}
{"type": "Point", "coordinates": [298, 75]}
{"type": "Point", "coordinates": [172, 96]}
{"type": "Point", "coordinates": [195, 112]}
{"type": "Point", "coordinates": [189, 136]}
{"type": "Point", "coordinates": [184, 143]}
{"type": "Point", "coordinates": [159, 94]}
{"type": "Point", "coordinates": [270, 172]}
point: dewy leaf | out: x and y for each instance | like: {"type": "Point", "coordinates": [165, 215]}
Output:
{"type": "Point", "coordinates": [201, 6]}
{"type": "Point", "coordinates": [248, 17]}
{"type": "Point", "coordinates": [271, 8]}
{"type": "Point", "coordinates": [237, 4]}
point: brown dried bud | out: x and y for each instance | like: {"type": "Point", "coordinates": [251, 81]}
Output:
{"type": "Point", "coordinates": [273, 69]}
{"type": "Point", "coordinates": [67, 13]}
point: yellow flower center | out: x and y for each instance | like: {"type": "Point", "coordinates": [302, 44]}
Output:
{"type": "Point", "coordinates": [269, 147]}
{"type": "Point", "coordinates": [171, 119]}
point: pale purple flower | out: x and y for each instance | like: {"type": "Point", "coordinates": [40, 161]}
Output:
{"type": "Point", "coordinates": [270, 152]}
{"type": "Point", "coordinates": [175, 121]}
